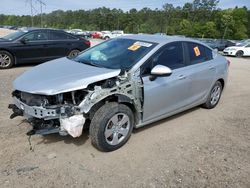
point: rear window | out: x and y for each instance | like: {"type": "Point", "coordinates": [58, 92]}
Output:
{"type": "Point", "coordinates": [54, 35]}
{"type": "Point", "coordinates": [198, 53]}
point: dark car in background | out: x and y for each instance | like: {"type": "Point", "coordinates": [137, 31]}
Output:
{"type": "Point", "coordinates": [219, 44]}
{"type": "Point", "coordinates": [38, 45]}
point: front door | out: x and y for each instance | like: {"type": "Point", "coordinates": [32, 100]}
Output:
{"type": "Point", "coordinates": [165, 94]}
{"type": "Point", "coordinates": [34, 48]}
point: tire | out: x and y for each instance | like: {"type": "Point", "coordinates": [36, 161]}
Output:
{"type": "Point", "coordinates": [73, 53]}
{"type": "Point", "coordinates": [106, 136]}
{"type": "Point", "coordinates": [239, 53]}
{"type": "Point", "coordinates": [6, 60]}
{"type": "Point", "coordinates": [214, 96]}
{"type": "Point", "coordinates": [106, 38]}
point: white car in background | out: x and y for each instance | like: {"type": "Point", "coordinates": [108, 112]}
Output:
{"type": "Point", "coordinates": [76, 31]}
{"type": "Point", "coordinates": [112, 34]}
{"type": "Point", "coordinates": [240, 50]}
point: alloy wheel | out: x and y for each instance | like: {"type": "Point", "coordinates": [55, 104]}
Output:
{"type": "Point", "coordinates": [117, 129]}
{"type": "Point", "coordinates": [5, 60]}
{"type": "Point", "coordinates": [215, 95]}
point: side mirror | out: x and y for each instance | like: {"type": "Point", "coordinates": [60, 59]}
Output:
{"type": "Point", "coordinates": [160, 71]}
{"type": "Point", "coordinates": [23, 41]}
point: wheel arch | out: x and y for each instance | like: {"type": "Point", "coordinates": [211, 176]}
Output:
{"type": "Point", "coordinates": [9, 51]}
{"type": "Point", "coordinates": [120, 99]}
{"type": "Point", "coordinates": [221, 80]}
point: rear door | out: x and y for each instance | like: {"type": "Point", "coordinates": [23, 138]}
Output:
{"type": "Point", "coordinates": [165, 94]}
{"type": "Point", "coordinates": [201, 69]}
{"type": "Point", "coordinates": [34, 49]}
{"type": "Point", "coordinates": [60, 44]}
{"type": "Point", "coordinates": [247, 50]}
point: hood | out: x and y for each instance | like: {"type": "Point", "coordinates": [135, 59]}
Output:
{"type": "Point", "coordinates": [61, 75]}
{"type": "Point", "coordinates": [2, 40]}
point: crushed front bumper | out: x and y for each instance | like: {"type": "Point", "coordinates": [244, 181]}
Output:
{"type": "Point", "coordinates": [48, 121]}
{"type": "Point", "coordinates": [36, 111]}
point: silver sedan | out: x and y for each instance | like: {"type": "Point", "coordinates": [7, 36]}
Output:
{"type": "Point", "coordinates": [118, 85]}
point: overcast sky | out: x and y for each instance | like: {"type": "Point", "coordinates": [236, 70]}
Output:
{"type": "Point", "coordinates": [21, 7]}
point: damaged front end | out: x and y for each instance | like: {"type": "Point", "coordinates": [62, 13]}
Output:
{"type": "Point", "coordinates": [68, 113]}
{"type": "Point", "coordinates": [50, 114]}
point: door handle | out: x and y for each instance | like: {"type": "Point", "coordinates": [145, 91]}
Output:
{"type": "Point", "coordinates": [182, 77]}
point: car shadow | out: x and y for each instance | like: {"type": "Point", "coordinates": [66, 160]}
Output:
{"type": "Point", "coordinates": [53, 138]}
{"type": "Point", "coordinates": [165, 120]}
{"type": "Point", "coordinates": [23, 65]}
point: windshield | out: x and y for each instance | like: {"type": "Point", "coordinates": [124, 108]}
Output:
{"type": "Point", "coordinates": [243, 44]}
{"type": "Point", "coordinates": [13, 36]}
{"type": "Point", "coordinates": [116, 53]}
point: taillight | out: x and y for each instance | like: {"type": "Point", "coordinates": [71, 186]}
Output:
{"type": "Point", "coordinates": [228, 62]}
{"type": "Point", "coordinates": [87, 42]}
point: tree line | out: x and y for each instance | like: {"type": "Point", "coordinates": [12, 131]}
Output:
{"type": "Point", "coordinates": [201, 18]}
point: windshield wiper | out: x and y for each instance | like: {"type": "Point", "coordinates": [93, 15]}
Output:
{"type": "Point", "coordinates": [88, 63]}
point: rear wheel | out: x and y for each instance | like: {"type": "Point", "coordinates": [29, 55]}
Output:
{"type": "Point", "coordinates": [214, 96]}
{"type": "Point", "coordinates": [106, 38]}
{"type": "Point", "coordinates": [73, 53]}
{"type": "Point", "coordinates": [239, 54]}
{"type": "Point", "coordinates": [111, 126]}
{"type": "Point", "coordinates": [6, 60]}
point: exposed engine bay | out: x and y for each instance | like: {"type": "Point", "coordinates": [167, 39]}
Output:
{"type": "Point", "coordinates": [68, 113]}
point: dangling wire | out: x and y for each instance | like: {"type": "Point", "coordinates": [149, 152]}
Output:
{"type": "Point", "coordinates": [29, 140]}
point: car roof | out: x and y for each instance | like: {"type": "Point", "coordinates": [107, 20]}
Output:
{"type": "Point", "coordinates": [38, 29]}
{"type": "Point", "coordinates": [161, 39]}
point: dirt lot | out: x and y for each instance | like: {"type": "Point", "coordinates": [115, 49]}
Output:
{"type": "Point", "coordinates": [198, 148]}
{"type": "Point", "coordinates": [4, 32]}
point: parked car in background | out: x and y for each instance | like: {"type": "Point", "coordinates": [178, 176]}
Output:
{"type": "Point", "coordinates": [243, 41]}
{"type": "Point", "coordinates": [76, 31]}
{"type": "Point", "coordinates": [219, 44]}
{"type": "Point", "coordinates": [242, 49]}
{"type": "Point", "coordinates": [80, 33]}
{"type": "Point", "coordinates": [105, 33]}
{"type": "Point", "coordinates": [118, 85]}
{"type": "Point", "coordinates": [38, 45]}
{"type": "Point", "coordinates": [113, 34]}
{"type": "Point", "coordinates": [96, 35]}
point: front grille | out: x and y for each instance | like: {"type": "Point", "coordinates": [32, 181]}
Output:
{"type": "Point", "coordinates": [34, 99]}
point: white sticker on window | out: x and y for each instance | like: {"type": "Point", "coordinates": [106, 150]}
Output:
{"type": "Point", "coordinates": [144, 44]}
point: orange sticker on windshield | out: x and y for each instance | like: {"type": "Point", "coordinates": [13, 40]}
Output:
{"type": "Point", "coordinates": [197, 51]}
{"type": "Point", "coordinates": [134, 47]}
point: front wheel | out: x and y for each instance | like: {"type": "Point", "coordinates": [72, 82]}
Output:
{"type": "Point", "coordinates": [214, 96]}
{"type": "Point", "coordinates": [6, 60]}
{"type": "Point", "coordinates": [239, 54]}
{"type": "Point", "coordinates": [111, 126]}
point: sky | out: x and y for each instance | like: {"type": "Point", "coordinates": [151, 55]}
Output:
{"type": "Point", "coordinates": [22, 7]}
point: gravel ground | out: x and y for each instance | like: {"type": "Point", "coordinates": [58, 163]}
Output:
{"type": "Point", "coordinates": [197, 148]}
{"type": "Point", "coordinates": [4, 32]}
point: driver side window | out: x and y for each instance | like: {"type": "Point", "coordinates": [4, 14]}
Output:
{"type": "Point", "coordinates": [171, 55]}
{"type": "Point", "coordinates": [36, 36]}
